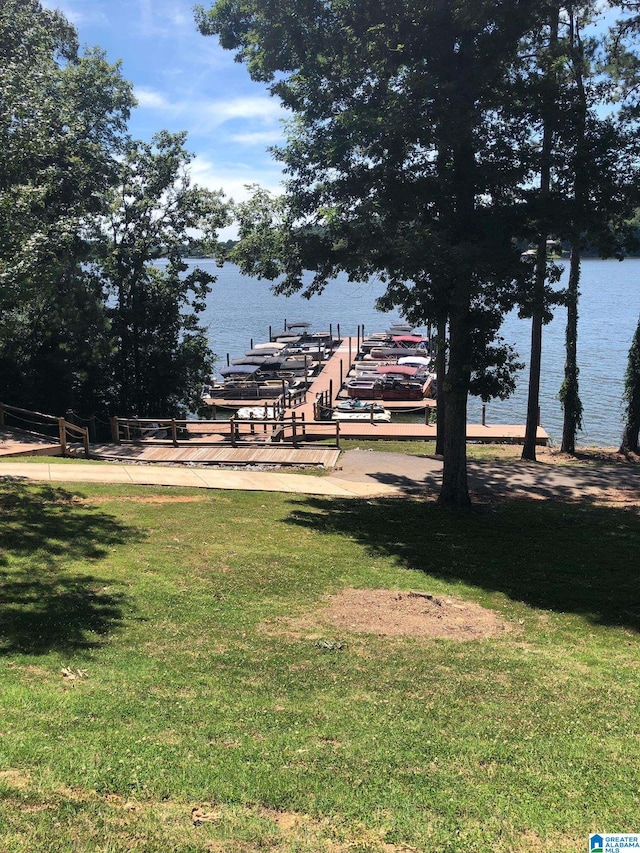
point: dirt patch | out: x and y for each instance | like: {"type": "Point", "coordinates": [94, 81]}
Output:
{"type": "Point", "coordinates": [15, 779]}
{"type": "Point", "coordinates": [152, 499]}
{"type": "Point", "coordinates": [608, 455]}
{"type": "Point", "coordinates": [389, 613]}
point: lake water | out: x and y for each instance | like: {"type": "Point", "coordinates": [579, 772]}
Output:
{"type": "Point", "coordinates": [240, 308]}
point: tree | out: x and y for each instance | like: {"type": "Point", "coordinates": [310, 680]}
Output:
{"type": "Point", "coordinates": [62, 121]}
{"type": "Point", "coordinates": [161, 355]}
{"type": "Point", "coordinates": [632, 397]}
{"type": "Point", "coordinates": [399, 162]}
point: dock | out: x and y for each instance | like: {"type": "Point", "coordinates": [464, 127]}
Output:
{"type": "Point", "coordinates": [294, 438]}
{"type": "Point", "coordinates": [331, 377]}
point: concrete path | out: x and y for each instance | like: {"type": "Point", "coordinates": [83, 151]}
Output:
{"type": "Point", "coordinates": [203, 478]}
{"type": "Point", "coordinates": [513, 478]}
{"type": "Point", "coordinates": [361, 473]}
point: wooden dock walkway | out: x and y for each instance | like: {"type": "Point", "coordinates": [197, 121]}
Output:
{"type": "Point", "coordinates": [22, 443]}
{"type": "Point", "coordinates": [189, 452]}
{"type": "Point", "coordinates": [335, 370]}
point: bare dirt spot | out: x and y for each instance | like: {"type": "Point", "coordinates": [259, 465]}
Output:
{"type": "Point", "coordinates": [15, 779]}
{"type": "Point", "coordinates": [153, 499]}
{"type": "Point", "coordinates": [389, 613]}
{"type": "Point", "coordinates": [608, 455]}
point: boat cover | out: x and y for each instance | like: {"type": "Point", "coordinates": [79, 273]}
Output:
{"type": "Point", "coordinates": [249, 359]}
{"type": "Point", "coordinates": [273, 345]}
{"type": "Point", "coordinates": [409, 339]}
{"type": "Point", "coordinates": [264, 349]}
{"type": "Point", "coordinates": [240, 370]}
{"type": "Point", "coordinates": [398, 369]}
{"type": "Point", "coordinates": [416, 360]}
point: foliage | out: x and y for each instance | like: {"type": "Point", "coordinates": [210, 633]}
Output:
{"type": "Point", "coordinates": [402, 162]}
{"type": "Point", "coordinates": [85, 321]}
{"type": "Point", "coordinates": [162, 357]}
{"type": "Point", "coordinates": [632, 396]}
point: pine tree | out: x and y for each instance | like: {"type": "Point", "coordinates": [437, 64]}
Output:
{"type": "Point", "coordinates": [632, 397]}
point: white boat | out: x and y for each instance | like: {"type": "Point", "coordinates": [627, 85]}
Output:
{"type": "Point", "coordinates": [264, 413]}
{"type": "Point", "coordinates": [360, 410]}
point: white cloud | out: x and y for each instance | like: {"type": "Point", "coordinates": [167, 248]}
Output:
{"type": "Point", "coordinates": [234, 179]}
{"type": "Point", "coordinates": [77, 12]}
{"type": "Point", "coordinates": [261, 138]}
{"type": "Point", "coordinates": [150, 99]}
{"type": "Point", "coordinates": [200, 115]}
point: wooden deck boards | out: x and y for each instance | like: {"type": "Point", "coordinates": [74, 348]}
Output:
{"type": "Point", "coordinates": [18, 443]}
{"type": "Point", "coordinates": [221, 455]}
{"type": "Point", "coordinates": [497, 433]}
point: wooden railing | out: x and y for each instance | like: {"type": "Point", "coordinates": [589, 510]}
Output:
{"type": "Point", "coordinates": [235, 431]}
{"type": "Point", "coordinates": [25, 419]}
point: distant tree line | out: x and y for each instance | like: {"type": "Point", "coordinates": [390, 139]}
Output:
{"type": "Point", "coordinates": [428, 141]}
{"type": "Point", "coordinates": [88, 321]}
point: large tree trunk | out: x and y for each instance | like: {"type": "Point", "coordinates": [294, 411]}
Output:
{"type": "Point", "coordinates": [440, 380]}
{"type": "Point", "coordinates": [455, 489]}
{"type": "Point", "coordinates": [535, 364]}
{"type": "Point", "coordinates": [538, 301]}
{"type": "Point", "coordinates": [569, 392]}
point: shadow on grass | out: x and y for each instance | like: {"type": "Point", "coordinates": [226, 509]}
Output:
{"type": "Point", "coordinates": [43, 605]}
{"type": "Point", "coordinates": [575, 558]}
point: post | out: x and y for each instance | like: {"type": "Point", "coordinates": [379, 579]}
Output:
{"type": "Point", "coordinates": [232, 425]}
{"type": "Point", "coordinates": [338, 434]}
{"type": "Point", "coordinates": [371, 413]}
{"type": "Point", "coordinates": [62, 431]}
{"type": "Point", "coordinates": [284, 394]}
{"type": "Point", "coordinates": [174, 432]}
{"type": "Point", "coordinates": [270, 335]}
{"type": "Point", "coordinates": [85, 441]}
{"type": "Point", "coordinates": [251, 347]}
{"type": "Point", "coordinates": [484, 415]}
{"type": "Point", "coordinates": [306, 374]}
{"type": "Point", "coordinates": [304, 428]}
{"type": "Point", "coordinates": [331, 392]}
{"type": "Point", "coordinates": [331, 334]}
{"type": "Point", "coordinates": [115, 431]}
{"type": "Point", "coordinates": [350, 359]}
{"type": "Point", "coordinates": [294, 437]}
{"type": "Point", "coordinates": [341, 378]}
{"type": "Point", "coordinates": [338, 328]}
{"type": "Point", "coordinates": [358, 339]}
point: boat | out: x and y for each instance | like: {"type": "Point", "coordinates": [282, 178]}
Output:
{"type": "Point", "coordinates": [386, 388]}
{"type": "Point", "coordinates": [357, 410]}
{"type": "Point", "coordinates": [265, 412]}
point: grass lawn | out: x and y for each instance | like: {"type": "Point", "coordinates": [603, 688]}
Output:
{"type": "Point", "coordinates": [487, 452]}
{"type": "Point", "coordinates": [148, 669]}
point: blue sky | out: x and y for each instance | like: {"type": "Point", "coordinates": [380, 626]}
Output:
{"type": "Point", "coordinates": [185, 81]}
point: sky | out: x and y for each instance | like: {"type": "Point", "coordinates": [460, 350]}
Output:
{"type": "Point", "coordinates": [185, 81]}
